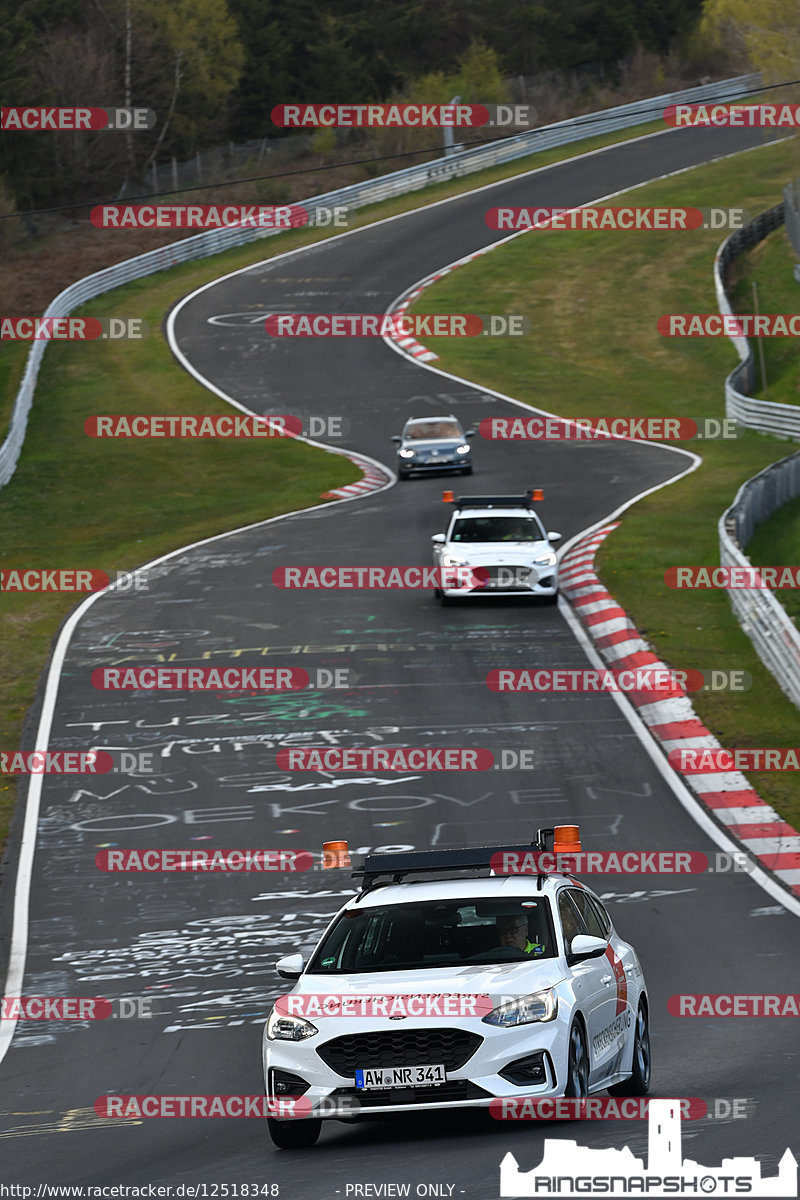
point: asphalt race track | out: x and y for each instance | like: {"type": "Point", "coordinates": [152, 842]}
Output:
{"type": "Point", "coordinates": [201, 949]}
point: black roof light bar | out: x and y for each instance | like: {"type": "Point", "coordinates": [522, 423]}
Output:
{"type": "Point", "coordinates": [531, 497]}
{"type": "Point", "coordinates": [401, 863]}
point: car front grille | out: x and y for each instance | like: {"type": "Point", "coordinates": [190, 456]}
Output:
{"type": "Point", "coordinates": [453, 1090]}
{"type": "Point", "coordinates": [415, 1047]}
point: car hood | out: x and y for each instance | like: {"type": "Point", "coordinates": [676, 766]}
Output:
{"type": "Point", "coordinates": [433, 444]}
{"type": "Point", "coordinates": [492, 979]}
{"type": "Point", "coordinates": [497, 552]}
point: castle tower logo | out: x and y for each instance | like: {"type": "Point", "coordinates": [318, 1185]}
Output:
{"type": "Point", "coordinates": [568, 1169]}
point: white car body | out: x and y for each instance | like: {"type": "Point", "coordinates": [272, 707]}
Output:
{"type": "Point", "coordinates": [509, 566]}
{"type": "Point", "coordinates": [600, 994]}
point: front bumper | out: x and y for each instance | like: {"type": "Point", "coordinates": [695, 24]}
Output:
{"type": "Point", "coordinates": [477, 1082]}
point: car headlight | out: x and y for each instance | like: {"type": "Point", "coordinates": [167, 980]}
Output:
{"type": "Point", "coordinates": [547, 560]}
{"type": "Point", "coordinates": [463, 449]}
{"type": "Point", "coordinates": [281, 1028]}
{"type": "Point", "coordinates": [406, 453]}
{"type": "Point", "coordinates": [538, 1006]}
{"type": "Point", "coordinates": [453, 560]}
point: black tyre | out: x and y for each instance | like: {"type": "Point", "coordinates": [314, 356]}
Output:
{"type": "Point", "coordinates": [294, 1135]}
{"type": "Point", "coordinates": [550, 599]}
{"type": "Point", "coordinates": [467, 471]}
{"type": "Point", "coordinates": [577, 1063]}
{"type": "Point", "coordinates": [639, 1082]}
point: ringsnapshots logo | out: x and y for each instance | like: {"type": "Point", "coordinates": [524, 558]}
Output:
{"type": "Point", "coordinates": [568, 1169]}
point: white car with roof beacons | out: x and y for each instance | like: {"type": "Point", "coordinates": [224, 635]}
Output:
{"type": "Point", "coordinates": [498, 546]}
{"type": "Point", "coordinates": [451, 981]}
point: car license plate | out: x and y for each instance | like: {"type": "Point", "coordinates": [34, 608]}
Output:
{"type": "Point", "coordinates": [398, 1077]}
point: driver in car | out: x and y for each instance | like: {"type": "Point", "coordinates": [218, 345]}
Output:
{"type": "Point", "coordinates": [513, 932]}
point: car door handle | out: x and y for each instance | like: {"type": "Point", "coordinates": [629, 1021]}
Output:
{"type": "Point", "coordinates": [607, 979]}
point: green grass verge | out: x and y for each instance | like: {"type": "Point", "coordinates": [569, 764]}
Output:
{"type": "Point", "coordinates": [74, 501]}
{"type": "Point", "coordinates": [593, 299]}
{"type": "Point", "coordinates": [770, 266]}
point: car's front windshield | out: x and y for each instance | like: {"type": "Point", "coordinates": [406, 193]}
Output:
{"type": "Point", "coordinates": [436, 933]}
{"type": "Point", "coordinates": [497, 529]}
{"type": "Point", "coordinates": [422, 430]}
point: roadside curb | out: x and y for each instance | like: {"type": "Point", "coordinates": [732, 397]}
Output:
{"type": "Point", "coordinates": [727, 795]}
{"type": "Point", "coordinates": [373, 480]}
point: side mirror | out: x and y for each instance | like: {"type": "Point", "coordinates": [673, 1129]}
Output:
{"type": "Point", "coordinates": [554, 537]}
{"type": "Point", "coordinates": [583, 946]}
{"type": "Point", "coordinates": [290, 967]}
{"type": "Point", "coordinates": [439, 538]}
{"type": "Point", "coordinates": [397, 439]}
{"type": "Point", "coordinates": [470, 433]}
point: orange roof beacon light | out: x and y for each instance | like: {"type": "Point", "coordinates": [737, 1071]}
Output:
{"type": "Point", "coordinates": [335, 854]}
{"type": "Point", "coordinates": [538, 494]}
{"type": "Point", "coordinates": [447, 497]}
{"type": "Point", "coordinates": [566, 839]}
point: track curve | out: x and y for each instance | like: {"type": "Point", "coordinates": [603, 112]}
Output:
{"type": "Point", "coordinates": [201, 949]}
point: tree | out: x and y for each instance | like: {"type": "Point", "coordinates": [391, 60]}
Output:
{"type": "Point", "coordinates": [768, 31]}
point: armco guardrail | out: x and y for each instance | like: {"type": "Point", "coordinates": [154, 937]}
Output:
{"type": "Point", "coordinates": [772, 632]}
{"type": "Point", "coordinates": [203, 245]}
{"type": "Point", "coordinates": [762, 617]}
{"type": "Point", "coordinates": [781, 420]}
